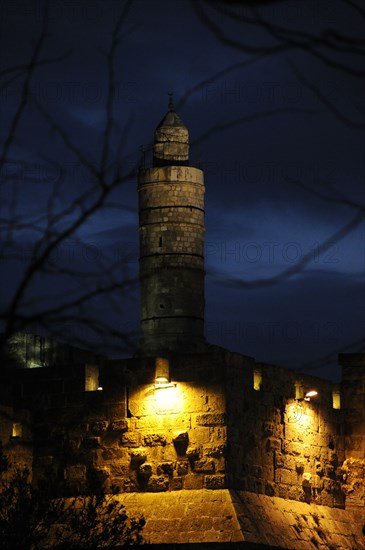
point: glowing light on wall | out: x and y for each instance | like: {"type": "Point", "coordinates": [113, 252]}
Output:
{"type": "Point", "coordinates": [298, 415]}
{"type": "Point", "coordinates": [309, 394]}
{"type": "Point", "coordinates": [295, 412]}
{"type": "Point", "coordinates": [257, 379]}
{"type": "Point", "coordinates": [302, 393]}
{"type": "Point", "coordinates": [167, 399]}
{"type": "Point", "coordinates": [336, 399]}
{"type": "Point", "coordinates": [17, 430]}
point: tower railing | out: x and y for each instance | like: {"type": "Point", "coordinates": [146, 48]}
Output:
{"type": "Point", "coordinates": [147, 158]}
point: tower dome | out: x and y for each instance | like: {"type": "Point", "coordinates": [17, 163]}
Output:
{"type": "Point", "coordinates": [171, 145]}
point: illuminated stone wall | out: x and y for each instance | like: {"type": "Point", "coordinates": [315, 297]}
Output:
{"type": "Point", "coordinates": [353, 397]}
{"type": "Point", "coordinates": [132, 434]}
{"type": "Point", "coordinates": [223, 422]}
{"type": "Point", "coordinates": [282, 446]}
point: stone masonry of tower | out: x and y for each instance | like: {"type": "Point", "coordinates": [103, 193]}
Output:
{"type": "Point", "coordinates": [171, 229]}
{"type": "Point", "coordinates": [225, 450]}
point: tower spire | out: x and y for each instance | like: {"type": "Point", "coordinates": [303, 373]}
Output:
{"type": "Point", "coordinates": [171, 144]}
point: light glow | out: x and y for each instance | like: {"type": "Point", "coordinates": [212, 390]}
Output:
{"type": "Point", "coordinates": [17, 430]}
{"type": "Point", "coordinates": [166, 399]}
{"type": "Point", "coordinates": [309, 394]}
{"type": "Point", "coordinates": [336, 399]}
{"type": "Point", "coordinates": [257, 379]}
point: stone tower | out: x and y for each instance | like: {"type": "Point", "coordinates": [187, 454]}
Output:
{"type": "Point", "coordinates": [171, 228]}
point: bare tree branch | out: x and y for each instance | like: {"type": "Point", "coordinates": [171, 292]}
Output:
{"type": "Point", "coordinates": [336, 236]}
{"type": "Point", "coordinates": [26, 86]}
{"type": "Point", "coordinates": [250, 118]}
{"type": "Point", "coordinates": [283, 44]}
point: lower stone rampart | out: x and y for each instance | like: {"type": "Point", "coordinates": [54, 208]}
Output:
{"type": "Point", "coordinates": [222, 515]}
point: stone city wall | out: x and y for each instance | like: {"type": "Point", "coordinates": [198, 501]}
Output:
{"type": "Point", "coordinates": [224, 421]}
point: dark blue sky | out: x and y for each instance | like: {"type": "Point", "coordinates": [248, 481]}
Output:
{"type": "Point", "coordinates": [272, 153]}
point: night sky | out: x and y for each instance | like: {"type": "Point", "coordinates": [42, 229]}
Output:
{"type": "Point", "coordinates": [278, 134]}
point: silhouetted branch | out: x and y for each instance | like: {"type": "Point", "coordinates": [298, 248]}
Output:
{"type": "Point", "coordinates": [323, 99]}
{"type": "Point", "coordinates": [312, 44]}
{"type": "Point", "coordinates": [26, 86]}
{"type": "Point", "coordinates": [336, 236]}
{"type": "Point", "coordinates": [250, 118]}
{"type": "Point", "coordinates": [111, 90]}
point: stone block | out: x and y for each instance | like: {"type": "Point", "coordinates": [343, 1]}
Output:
{"type": "Point", "coordinates": [138, 456]}
{"type": "Point", "coordinates": [278, 459]}
{"type": "Point", "coordinates": [199, 436]}
{"type": "Point", "coordinates": [300, 466]}
{"type": "Point", "coordinates": [270, 489]}
{"type": "Point", "coordinates": [217, 481]}
{"type": "Point", "coordinates": [292, 448]}
{"type": "Point", "coordinates": [130, 440]}
{"type": "Point", "coordinates": [99, 427]}
{"type": "Point", "coordinates": [182, 468]}
{"type": "Point", "coordinates": [166, 468]}
{"type": "Point", "coordinates": [193, 481]}
{"type": "Point", "coordinates": [283, 491]}
{"type": "Point", "coordinates": [211, 419]}
{"type": "Point", "coordinates": [120, 426]}
{"type": "Point", "coordinates": [111, 454]}
{"type": "Point", "coordinates": [76, 472]}
{"type": "Point", "coordinates": [284, 476]}
{"type": "Point", "coordinates": [273, 444]}
{"type": "Point", "coordinates": [193, 453]}
{"type": "Point", "coordinates": [268, 429]}
{"type": "Point", "coordinates": [220, 464]}
{"type": "Point", "coordinates": [205, 465]}
{"type": "Point", "coordinates": [176, 484]}
{"type": "Point", "coordinates": [145, 469]}
{"type": "Point", "coordinates": [119, 470]}
{"type": "Point", "coordinates": [289, 462]}
{"type": "Point", "coordinates": [158, 484]}
{"type": "Point", "coordinates": [217, 451]}
{"type": "Point", "coordinates": [130, 485]}
{"type": "Point", "coordinates": [152, 440]}
{"type": "Point", "coordinates": [294, 493]}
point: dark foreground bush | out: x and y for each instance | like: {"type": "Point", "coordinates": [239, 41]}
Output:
{"type": "Point", "coordinates": [31, 519]}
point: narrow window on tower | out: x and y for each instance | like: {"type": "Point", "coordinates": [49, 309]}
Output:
{"type": "Point", "coordinates": [160, 242]}
{"type": "Point", "coordinates": [92, 382]}
{"type": "Point", "coordinates": [17, 430]}
{"type": "Point", "coordinates": [336, 398]}
{"type": "Point", "coordinates": [257, 379]}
